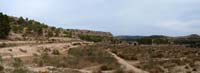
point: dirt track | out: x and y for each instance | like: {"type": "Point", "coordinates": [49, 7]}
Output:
{"type": "Point", "coordinates": [126, 65]}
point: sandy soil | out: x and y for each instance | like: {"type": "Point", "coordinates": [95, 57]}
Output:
{"type": "Point", "coordinates": [30, 50]}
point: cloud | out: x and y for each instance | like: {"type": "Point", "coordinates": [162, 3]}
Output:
{"type": "Point", "coordinates": [130, 17]}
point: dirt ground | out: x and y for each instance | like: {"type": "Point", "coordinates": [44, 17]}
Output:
{"type": "Point", "coordinates": [30, 49]}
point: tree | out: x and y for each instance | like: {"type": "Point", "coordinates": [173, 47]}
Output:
{"type": "Point", "coordinates": [21, 21]}
{"type": "Point", "coordinates": [4, 26]}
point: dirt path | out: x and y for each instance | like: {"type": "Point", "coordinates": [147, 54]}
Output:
{"type": "Point", "coordinates": [126, 65]}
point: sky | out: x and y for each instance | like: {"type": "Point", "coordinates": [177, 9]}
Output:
{"type": "Point", "coordinates": [120, 17]}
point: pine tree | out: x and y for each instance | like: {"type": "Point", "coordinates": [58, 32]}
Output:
{"type": "Point", "coordinates": [4, 26]}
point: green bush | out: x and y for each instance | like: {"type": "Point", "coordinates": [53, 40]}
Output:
{"type": "Point", "coordinates": [68, 34]}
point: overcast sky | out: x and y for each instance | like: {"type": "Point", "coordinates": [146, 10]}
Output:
{"type": "Point", "coordinates": [121, 17]}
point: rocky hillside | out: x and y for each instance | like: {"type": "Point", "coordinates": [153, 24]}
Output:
{"type": "Point", "coordinates": [77, 32]}
{"type": "Point", "coordinates": [24, 28]}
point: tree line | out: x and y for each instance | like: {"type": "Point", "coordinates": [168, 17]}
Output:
{"type": "Point", "coordinates": [27, 27]}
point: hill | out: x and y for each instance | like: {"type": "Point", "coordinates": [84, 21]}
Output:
{"type": "Point", "coordinates": [192, 40]}
{"type": "Point", "coordinates": [28, 29]}
{"type": "Point", "coordinates": [129, 38]}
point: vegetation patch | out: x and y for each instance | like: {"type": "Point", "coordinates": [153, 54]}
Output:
{"type": "Point", "coordinates": [78, 58]}
{"type": "Point", "coordinates": [92, 38]}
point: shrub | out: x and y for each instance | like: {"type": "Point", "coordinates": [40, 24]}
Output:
{"type": "Point", "coordinates": [19, 66]}
{"type": "Point", "coordinates": [56, 52]}
{"type": "Point", "coordinates": [3, 45]}
{"type": "Point", "coordinates": [68, 34]}
{"type": "Point", "coordinates": [194, 69]}
{"type": "Point", "coordinates": [106, 67]}
{"type": "Point", "coordinates": [1, 62]}
{"type": "Point", "coordinates": [17, 62]}
{"type": "Point", "coordinates": [20, 70]}
{"type": "Point", "coordinates": [44, 58]}
{"type": "Point", "coordinates": [92, 38]}
{"type": "Point", "coordinates": [1, 68]}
